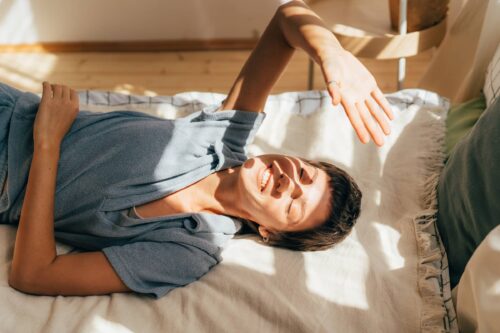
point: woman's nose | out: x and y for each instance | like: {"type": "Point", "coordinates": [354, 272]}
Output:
{"type": "Point", "coordinates": [283, 183]}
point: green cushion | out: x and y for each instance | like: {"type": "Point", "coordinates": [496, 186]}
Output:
{"type": "Point", "coordinates": [469, 191]}
{"type": "Point", "coordinates": [461, 118]}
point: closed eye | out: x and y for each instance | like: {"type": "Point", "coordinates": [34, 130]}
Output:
{"type": "Point", "coordinates": [311, 182]}
{"type": "Point", "coordinates": [291, 201]}
{"type": "Point", "coordinates": [309, 178]}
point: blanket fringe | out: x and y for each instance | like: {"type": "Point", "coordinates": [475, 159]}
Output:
{"type": "Point", "coordinates": [438, 314]}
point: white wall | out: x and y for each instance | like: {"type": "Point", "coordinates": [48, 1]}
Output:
{"type": "Point", "coordinates": [24, 21]}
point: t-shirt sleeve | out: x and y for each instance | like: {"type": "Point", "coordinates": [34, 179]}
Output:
{"type": "Point", "coordinates": [240, 127]}
{"type": "Point", "coordinates": [155, 268]}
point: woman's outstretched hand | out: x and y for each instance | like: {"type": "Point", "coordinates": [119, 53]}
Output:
{"type": "Point", "coordinates": [350, 83]}
{"type": "Point", "coordinates": [347, 79]}
{"type": "Point", "coordinates": [56, 113]}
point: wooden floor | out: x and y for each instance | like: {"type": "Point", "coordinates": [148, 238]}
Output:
{"type": "Point", "coordinates": [168, 73]}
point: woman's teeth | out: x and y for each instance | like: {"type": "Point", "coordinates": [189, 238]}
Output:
{"type": "Point", "coordinates": [265, 179]}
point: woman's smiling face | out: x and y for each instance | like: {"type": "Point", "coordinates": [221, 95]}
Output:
{"type": "Point", "coordinates": [284, 193]}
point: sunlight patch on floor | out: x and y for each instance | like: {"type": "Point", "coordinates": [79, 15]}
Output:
{"type": "Point", "coordinates": [26, 71]}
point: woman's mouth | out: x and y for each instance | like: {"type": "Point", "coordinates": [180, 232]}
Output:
{"type": "Point", "coordinates": [266, 176]}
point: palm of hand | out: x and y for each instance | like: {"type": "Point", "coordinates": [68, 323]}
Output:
{"type": "Point", "coordinates": [352, 85]}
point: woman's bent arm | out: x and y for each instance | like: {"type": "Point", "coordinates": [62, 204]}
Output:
{"type": "Point", "coordinates": [36, 267]}
{"type": "Point", "coordinates": [293, 26]}
{"type": "Point", "coordinates": [261, 70]}
{"type": "Point", "coordinates": [35, 247]}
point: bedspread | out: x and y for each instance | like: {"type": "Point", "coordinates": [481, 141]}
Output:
{"type": "Point", "coordinates": [389, 275]}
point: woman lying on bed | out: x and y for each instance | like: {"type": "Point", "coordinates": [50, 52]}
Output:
{"type": "Point", "coordinates": [152, 200]}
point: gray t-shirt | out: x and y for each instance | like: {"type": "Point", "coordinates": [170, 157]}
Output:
{"type": "Point", "coordinates": [112, 161]}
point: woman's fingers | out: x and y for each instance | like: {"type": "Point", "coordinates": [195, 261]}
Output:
{"type": "Point", "coordinates": [382, 101]}
{"type": "Point", "coordinates": [47, 90]}
{"type": "Point", "coordinates": [65, 94]}
{"type": "Point", "coordinates": [356, 121]}
{"type": "Point", "coordinates": [334, 90]}
{"type": "Point", "coordinates": [74, 96]}
{"type": "Point", "coordinates": [52, 91]}
{"type": "Point", "coordinates": [373, 129]}
{"type": "Point", "coordinates": [376, 112]}
{"type": "Point", "coordinates": [367, 116]}
{"type": "Point", "coordinates": [57, 90]}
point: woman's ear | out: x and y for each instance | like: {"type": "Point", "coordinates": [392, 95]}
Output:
{"type": "Point", "coordinates": [264, 232]}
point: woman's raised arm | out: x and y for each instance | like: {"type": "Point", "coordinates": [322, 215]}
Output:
{"type": "Point", "coordinates": [262, 69]}
{"type": "Point", "coordinates": [293, 26]}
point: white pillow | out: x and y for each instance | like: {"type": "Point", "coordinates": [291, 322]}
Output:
{"type": "Point", "coordinates": [491, 87]}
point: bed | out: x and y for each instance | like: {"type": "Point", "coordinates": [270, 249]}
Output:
{"type": "Point", "coordinates": [389, 275]}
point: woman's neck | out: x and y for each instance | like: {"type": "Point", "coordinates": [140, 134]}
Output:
{"type": "Point", "coordinates": [216, 194]}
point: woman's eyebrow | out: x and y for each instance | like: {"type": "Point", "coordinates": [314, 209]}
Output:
{"type": "Point", "coordinates": [303, 201]}
{"type": "Point", "coordinates": [315, 174]}
{"type": "Point", "coordinates": [303, 205]}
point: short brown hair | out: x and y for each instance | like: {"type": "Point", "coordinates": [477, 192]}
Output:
{"type": "Point", "coordinates": [344, 210]}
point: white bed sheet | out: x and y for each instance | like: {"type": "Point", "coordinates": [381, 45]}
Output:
{"type": "Point", "coordinates": [389, 275]}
